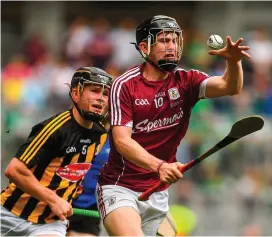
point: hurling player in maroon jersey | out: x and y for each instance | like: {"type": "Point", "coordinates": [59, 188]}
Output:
{"type": "Point", "coordinates": [150, 107]}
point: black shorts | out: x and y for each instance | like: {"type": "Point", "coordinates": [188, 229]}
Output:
{"type": "Point", "coordinates": [85, 224]}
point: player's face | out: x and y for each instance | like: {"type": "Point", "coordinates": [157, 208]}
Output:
{"type": "Point", "coordinates": [166, 47]}
{"type": "Point", "coordinates": [94, 98]}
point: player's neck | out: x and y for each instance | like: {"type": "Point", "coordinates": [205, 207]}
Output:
{"type": "Point", "coordinates": [152, 73]}
{"type": "Point", "coordinates": [82, 122]}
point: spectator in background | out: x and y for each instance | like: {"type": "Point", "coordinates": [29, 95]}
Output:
{"type": "Point", "coordinates": [14, 76]}
{"type": "Point", "coordinates": [261, 51]}
{"type": "Point", "coordinates": [124, 53]}
{"type": "Point", "coordinates": [61, 71]}
{"type": "Point", "coordinates": [36, 88]}
{"type": "Point", "coordinates": [195, 51]}
{"type": "Point", "coordinates": [114, 70]}
{"type": "Point", "coordinates": [99, 48]}
{"type": "Point", "coordinates": [36, 49]}
{"type": "Point", "coordinates": [79, 34]}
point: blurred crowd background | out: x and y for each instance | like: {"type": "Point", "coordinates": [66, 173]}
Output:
{"type": "Point", "coordinates": [42, 43]}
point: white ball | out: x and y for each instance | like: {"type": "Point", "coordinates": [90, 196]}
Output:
{"type": "Point", "coordinates": [215, 42]}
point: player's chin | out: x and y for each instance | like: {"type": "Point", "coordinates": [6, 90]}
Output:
{"type": "Point", "coordinates": [98, 111]}
{"type": "Point", "coordinates": [167, 58]}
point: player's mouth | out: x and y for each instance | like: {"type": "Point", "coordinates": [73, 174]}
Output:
{"type": "Point", "coordinates": [97, 108]}
{"type": "Point", "coordinates": [170, 56]}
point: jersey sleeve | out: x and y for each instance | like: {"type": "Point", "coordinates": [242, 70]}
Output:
{"type": "Point", "coordinates": [197, 84]}
{"type": "Point", "coordinates": [38, 146]}
{"type": "Point", "coordinates": [121, 105]}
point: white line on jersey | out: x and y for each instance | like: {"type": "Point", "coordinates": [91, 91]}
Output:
{"type": "Point", "coordinates": [115, 100]}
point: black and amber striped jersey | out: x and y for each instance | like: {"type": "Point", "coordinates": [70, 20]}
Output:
{"type": "Point", "coordinates": [59, 152]}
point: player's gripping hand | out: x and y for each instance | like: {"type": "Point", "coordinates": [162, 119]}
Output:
{"type": "Point", "coordinates": [233, 51]}
{"type": "Point", "coordinates": [169, 172]}
{"type": "Point", "coordinates": [61, 208]}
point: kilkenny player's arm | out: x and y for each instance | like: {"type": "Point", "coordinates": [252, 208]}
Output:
{"type": "Point", "coordinates": [23, 178]}
{"type": "Point", "coordinates": [39, 147]}
{"type": "Point", "coordinates": [231, 82]}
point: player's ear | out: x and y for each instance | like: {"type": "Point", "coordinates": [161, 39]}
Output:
{"type": "Point", "coordinates": [75, 94]}
{"type": "Point", "coordinates": [143, 47]}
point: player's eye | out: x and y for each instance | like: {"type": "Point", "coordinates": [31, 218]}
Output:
{"type": "Point", "coordinates": [106, 93]}
{"type": "Point", "coordinates": [162, 40]}
{"type": "Point", "coordinates": [93, 90]}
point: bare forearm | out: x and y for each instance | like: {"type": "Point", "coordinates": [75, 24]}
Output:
{"type": "Point", "coordinates": [26, 181]}
{"type": "Point", "coordinates": [135, 153]}
{"type": "Point", "coordinates": [234, 77]}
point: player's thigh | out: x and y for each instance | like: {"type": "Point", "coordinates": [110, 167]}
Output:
{"type": "Point", "coordinates": [119, 210]}
{"type": "Point", "coordinates": [123, 221]}
{"type": "Point", "coordinates": [12, 225]}
{"type": "Point", "coordinates": [56, 228]}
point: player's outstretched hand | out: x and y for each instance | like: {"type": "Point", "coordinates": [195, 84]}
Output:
{"type": "Point", "coordinates": [169, 172]}
{"type": "Point", "coordinates": [233, 51]}
{"type": "Point", "coordinates": [61, 208]}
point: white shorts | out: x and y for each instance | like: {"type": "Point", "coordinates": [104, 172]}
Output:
{"type": "Point", "coordinates": [12, 225]}
{"type": "Point", "coordinates": [152, 212]}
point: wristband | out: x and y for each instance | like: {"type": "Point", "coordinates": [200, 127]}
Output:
{"type": "Point", "coordinates": [159, 166]}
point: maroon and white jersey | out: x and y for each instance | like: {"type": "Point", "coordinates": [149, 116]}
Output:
{"type": "Point", "coordinates": [158, 113]}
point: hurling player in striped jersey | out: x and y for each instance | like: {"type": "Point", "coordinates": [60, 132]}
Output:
{"type": "Point", "coordinates": [47, 170]}
{"type": "Point", "coordinates": [150, 107]}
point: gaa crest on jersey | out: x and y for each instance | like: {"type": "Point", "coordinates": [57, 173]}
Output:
{"type": "Point", "coordinates": [111, 200]}
{"type": "Point", "coordinates": [173, 93]}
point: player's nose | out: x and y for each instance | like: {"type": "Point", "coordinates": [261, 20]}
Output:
{"type": "Point", "coordinates": [171, 46]}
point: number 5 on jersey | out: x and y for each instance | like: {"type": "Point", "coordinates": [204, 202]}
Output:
{"type": "Point", "coordinates": [84, 150]}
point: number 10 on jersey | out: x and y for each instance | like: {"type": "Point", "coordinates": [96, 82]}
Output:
{"type": "Point", "coordinates": [158, 102]}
